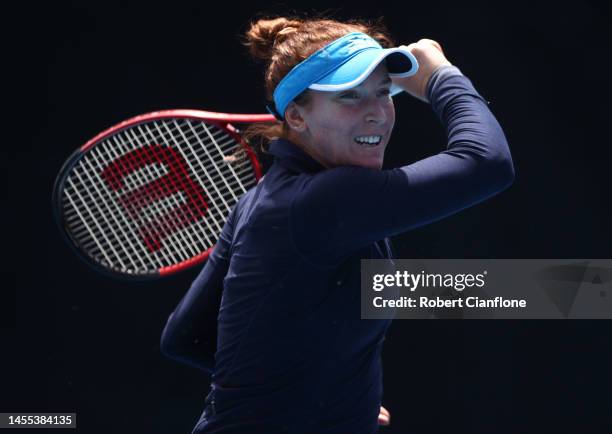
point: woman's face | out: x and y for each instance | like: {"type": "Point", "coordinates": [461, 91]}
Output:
{"type": "Point", "coordinates": [350, 127]}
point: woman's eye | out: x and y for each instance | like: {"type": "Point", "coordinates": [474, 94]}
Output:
{"type": "Point", "coordinates": [384, 92]}
{"type": "Point", "coordinates": [349, 95]}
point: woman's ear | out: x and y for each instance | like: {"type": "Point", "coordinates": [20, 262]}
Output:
{"type": "Point", "coordinates": [293, 117]}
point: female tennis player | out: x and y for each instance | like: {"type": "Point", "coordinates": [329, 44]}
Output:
{"type": "Point", "coordinates": [292, 354]}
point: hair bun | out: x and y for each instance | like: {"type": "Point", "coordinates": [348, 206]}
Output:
{"type": "Point", "coordinates": [264, 33]}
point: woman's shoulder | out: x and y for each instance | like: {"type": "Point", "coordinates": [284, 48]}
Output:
{"type": "Point", "coordinates": [339, 184]}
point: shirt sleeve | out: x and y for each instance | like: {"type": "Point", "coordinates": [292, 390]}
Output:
{"type": "Point", "coordinates": [190, 334]}
{"type": "Point", "coordinates": [346, 208]}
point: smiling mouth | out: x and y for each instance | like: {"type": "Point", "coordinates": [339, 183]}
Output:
{"type": "Point", "coordinates": [368, 141]}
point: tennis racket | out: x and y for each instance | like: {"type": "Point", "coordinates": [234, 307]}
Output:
{"type": "Point", "coordinates": [149, 196]}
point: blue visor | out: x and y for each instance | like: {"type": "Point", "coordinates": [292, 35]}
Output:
{"type": "Point", "coordinates": [343, 64]}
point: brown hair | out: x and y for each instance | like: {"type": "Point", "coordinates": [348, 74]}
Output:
{"type": "Point", "coordinates": [282, 43]}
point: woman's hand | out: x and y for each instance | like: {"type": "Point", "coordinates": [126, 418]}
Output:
{"type": "Point", "coordinates": [430, 56]}
{"type": "Point", "coordinates": [384, 417]}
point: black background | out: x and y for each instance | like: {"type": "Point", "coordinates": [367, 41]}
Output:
{"type": "Point", "coordinates": [81, 342]}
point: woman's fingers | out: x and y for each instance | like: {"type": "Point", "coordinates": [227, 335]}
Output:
{"type": "Point", "coordinates": [430, 56]}
{"type": "Point", "coordinates": [384, 417]}
{"type": "Point", "coordinates": [431, 42]}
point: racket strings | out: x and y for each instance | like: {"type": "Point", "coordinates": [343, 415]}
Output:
{"type": "Point", "coordinates": [183, 240]}
{"type": "Point", "coordinates": [208, 181]}
{"type": "Point", "coordinates": [146, 170]}
{"type": "Point", "coordinates": [167, 200]}
{"type": "Point", "coordinates": [233, 187]}
{"type": "Point", "coordinates": [104, 204]}
{"type": "Point", "coordinates": [121, 220]}
{"type": "Point", "coordinates": [145, 215]}
{"type": "Point", "coordinates": [239, 169]}
{"type": "Point", "coordinates": [107, 217]}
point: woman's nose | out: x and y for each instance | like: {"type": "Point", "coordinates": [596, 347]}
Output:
{"type": "Point", "coordinates": [376, 112]}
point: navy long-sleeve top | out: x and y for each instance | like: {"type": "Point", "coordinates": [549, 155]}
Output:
{"type": "Point", "coordinates": [292, 354]}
